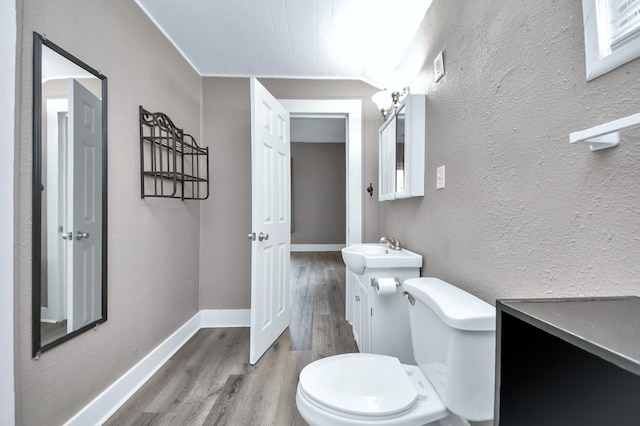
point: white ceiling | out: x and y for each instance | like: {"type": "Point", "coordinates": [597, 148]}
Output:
{"type": "Point", "coordinates": [346, 39]}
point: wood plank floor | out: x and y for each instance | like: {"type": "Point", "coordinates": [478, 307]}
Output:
{"type": "Point", "coordinates": [209, 380]}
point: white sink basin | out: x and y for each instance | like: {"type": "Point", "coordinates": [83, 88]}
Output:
{"type": "Point", "coordinates": [357, 257]}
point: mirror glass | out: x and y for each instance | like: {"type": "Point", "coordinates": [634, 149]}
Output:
{"type": "Point", "coordinates": [387, 147]}
{"type": "Point", "coordinates": [399, 145]}
{"type": "Point", "coordinates": [69, 196]}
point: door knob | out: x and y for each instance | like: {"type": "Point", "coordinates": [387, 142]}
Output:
{"type": "Point", "coordinates": [82, 235]}
{"type": "Point", "coordinates": [263, 236]}
{"type": "Point", "coordinates": [251, 236]}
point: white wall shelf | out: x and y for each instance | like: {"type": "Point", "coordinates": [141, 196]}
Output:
{"type": "Point", "coordinates": [605, 135]}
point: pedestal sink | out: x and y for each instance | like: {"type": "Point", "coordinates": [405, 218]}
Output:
{"type": "Point", "coordinates": [357, 257]}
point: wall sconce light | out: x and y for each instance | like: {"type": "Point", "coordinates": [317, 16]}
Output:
{"type": "Point", "coordinates": [387, 100]}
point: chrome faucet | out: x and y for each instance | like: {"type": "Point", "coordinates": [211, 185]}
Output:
{"type": "Point", "coordinates": [394, 243]}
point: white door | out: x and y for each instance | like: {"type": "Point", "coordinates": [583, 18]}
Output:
{"type": "Point", "coordinates": [270, 220]}
{"type": "Point", "coordinates": [84, 203]}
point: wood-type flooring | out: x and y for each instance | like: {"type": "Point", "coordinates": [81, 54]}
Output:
{"type": "Point", "coordinates": [209, 380]}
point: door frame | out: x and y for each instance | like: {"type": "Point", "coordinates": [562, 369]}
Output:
{"type": "Point", "coordinates": [8, 34]}
{"type": "Point", "coordinates": [351, 109]}
{"type": "Point", "coordinates": [56, 309]}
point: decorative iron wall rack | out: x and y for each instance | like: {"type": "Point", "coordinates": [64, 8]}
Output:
{"type": "Point", "coordinates": [172, 165]}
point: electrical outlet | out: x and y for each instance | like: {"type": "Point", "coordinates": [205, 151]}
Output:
{"type": "Point", "coordinates": [438, 67]}
{"type": "Point", "coordinates": [440, 177]}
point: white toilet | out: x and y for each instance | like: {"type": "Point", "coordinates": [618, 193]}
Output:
{"type": "Point", "coordinates": [453, 335]}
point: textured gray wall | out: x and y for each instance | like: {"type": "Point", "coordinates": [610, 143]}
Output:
{"type": "Point", "coordinates": [524, 213]}
{"type": "Point", "coordinates": [225, 266]}
{"type": "Point", "coordinates": [153, 244]}
{"type": "Point", "coordinates": [318, 193]}
{"type": "Point", "coordinates": [225, 269]}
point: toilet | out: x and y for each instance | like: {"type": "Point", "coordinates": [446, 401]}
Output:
{"type": "Point", "coordinates": [453, 335]}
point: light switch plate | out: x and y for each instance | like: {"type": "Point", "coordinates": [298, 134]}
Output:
{"type": "Point", "coordinates": [438, 67]}
{"type": "Point", "coordinates": [440, 177]}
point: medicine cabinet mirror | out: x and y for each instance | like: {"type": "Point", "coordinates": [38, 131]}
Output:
{"type": "Point", "coordinates": [402, 150]}
{"type": "Point", "coordinates": [69, 196]}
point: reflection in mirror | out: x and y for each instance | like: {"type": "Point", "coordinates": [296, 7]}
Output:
{"type": "Point", "coordinates": [69, 196]}
{"type": "Point", "coordinates": [400, 169]}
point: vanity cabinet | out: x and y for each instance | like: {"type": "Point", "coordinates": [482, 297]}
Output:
{"type": "Point", "coordinates": [381, 322]}
{"type": "Point", "coordinates": [568, 362]}
{"type": "Point", "coordinates": [402, 150]}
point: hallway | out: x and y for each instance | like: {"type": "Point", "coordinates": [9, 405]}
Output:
{"type": "Point", "coordinates": [209, 381]}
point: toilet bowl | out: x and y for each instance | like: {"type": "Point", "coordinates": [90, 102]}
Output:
{"type": "Point", "coordinates": [453, 336]}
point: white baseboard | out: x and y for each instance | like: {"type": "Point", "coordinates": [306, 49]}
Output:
{"type": "Point", "coordinates": [317, 247]}
{"type": "Point", "coordinates": [218, 318]}
{"type": "Point", "coordinates": [107, 403]}
{"type": "Point", "coordinates": [49, 317]}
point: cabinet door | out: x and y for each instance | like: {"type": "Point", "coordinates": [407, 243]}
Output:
{"type": "Point", "coordinates": [365, 328]}
{"type": "Point", "coordinates": [357, 313]}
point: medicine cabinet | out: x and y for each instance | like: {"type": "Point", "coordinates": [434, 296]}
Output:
{"type": "Point", "coordinates": [401, 150]}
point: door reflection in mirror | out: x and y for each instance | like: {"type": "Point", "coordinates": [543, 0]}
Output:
{"type": "Point", "coordinates": [70, 176]}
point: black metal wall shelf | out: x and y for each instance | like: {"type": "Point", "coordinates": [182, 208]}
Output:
{"type": "Point", "coordinates": [172, 165]}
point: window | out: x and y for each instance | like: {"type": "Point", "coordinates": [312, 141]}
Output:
{"type": "Point", "coordinates": [611, 34]}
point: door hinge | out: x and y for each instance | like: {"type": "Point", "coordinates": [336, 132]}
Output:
{"type": "Point", "coordinates": [371, 311]}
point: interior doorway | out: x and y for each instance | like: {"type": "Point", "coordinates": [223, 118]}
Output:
{"type": "Point", "coordinates": [351, 110]}
{"type": "Point", "coordinates": [318, 183]}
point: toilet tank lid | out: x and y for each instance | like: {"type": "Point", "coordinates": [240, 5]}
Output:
{"type": "Point", "coordinates": [454, 306]}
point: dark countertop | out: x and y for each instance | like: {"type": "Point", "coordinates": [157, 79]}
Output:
{"type": "Point", "coordinates": [608, 327]}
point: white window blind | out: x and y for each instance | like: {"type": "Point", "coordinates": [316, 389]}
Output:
{"type": "Point", "coordinates": [624, 21]}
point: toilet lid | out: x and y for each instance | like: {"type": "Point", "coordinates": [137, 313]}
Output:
{"type": "Point", "coordinates": [361, 384]}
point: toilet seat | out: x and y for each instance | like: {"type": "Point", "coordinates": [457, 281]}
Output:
{"type": "Point", "coordinates": [366, 389]}
{"type": "Point", "coordinates": [360, 384]}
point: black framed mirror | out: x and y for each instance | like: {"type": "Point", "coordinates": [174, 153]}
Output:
{"type": "Point", "coordinates": [69, 196]}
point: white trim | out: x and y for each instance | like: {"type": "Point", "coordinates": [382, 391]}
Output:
{"type": "Point", "coordinates": [600, 58]}
{"type": "Point", "coordinates": [8, 33]}
{"type": "Point", "coordinates": [352, 109]}
{"type": "Point", "coordinates": [318, 141]}
{"type": "Point", "coordinates": [218, 318]}
{"type": "Point", "coordinates": [104, 405]}
{"type": "Point", "coordinates": [56, 309]}
{"type": "Point", "coordinates": [111, 399]}
{"type": "Point", "coordinates": [316, 247]}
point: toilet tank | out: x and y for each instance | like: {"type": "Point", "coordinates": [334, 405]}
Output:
{"type": "Point", "coordinates": [453, 335]}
